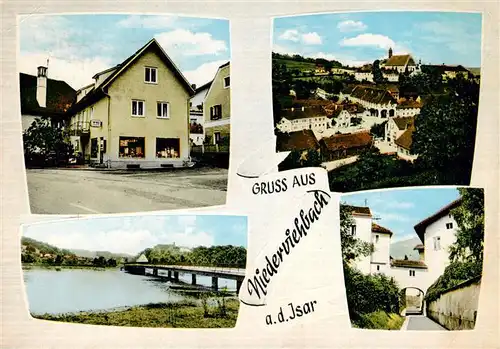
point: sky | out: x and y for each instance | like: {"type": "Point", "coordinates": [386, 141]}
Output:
{"type": "Point", "coordinates": [79, 46]}
{"type": "Point", "coordinates": [400, 210]}
{"type": "Point", "coordinates": [132, 234]}
{"type": "Point", "coordinates": [361, 37]}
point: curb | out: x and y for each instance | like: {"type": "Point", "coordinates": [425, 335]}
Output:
{"type": "Point", "coordinates": [404, 327]}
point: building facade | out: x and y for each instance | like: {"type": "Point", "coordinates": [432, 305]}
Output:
{"type": "Point", "coordinates": [217, 107]}
{"type": "Point", "coordinates": [136, 114]}
{"type": "Point", "coordinates": [304, 118]}
{"type": "Point", "coordinates": [196, 104]}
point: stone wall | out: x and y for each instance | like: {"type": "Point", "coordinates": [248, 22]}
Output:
{"type": "Point", "coordinates": [456, 308]}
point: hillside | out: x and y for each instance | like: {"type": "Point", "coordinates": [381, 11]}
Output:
{"type": "Point", "coordinates": [291, 64]}
{"type": "Point", "coordinates": [94, 254]}
{"type": "Point", "coordinates": [399, 249]}
{"type": "Point", "coordinates": [43, 247]}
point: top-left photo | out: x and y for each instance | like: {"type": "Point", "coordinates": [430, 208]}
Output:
{"type": "Point", "coordinates": [124, 113]}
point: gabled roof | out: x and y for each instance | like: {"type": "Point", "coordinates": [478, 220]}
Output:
{"type": "Point", "coordinates": [303, 113]}
{"type": "Point", "coordinates": [359, 210]}
{"type": "Point", "coordinates": [380, 230]}
{"type": "Point", "coordinates": [215, 76]}
{"type": "Point", "coordinates": [419, 247]}
{"type": "Point", "coordinates": [347, 141]}
{"type": "Point", "coordinates": [299, 140]}
{"type": "Point", "coordinates": [420, 227]}
{"type": "Point", "coordinates": [373, 95]}
{"type": "Point", "coordinates": [60, 96]}
{"type": "Point", "coordinates": [409, 103]}
{"type": "Point", "coordinates": [403, 122]}
{"type": "Point", "coordinates": [96, 94]}
{"type": "Point", "coordinates": [406, 139]}
{"type": "Point", "coordinates": [400, 60]}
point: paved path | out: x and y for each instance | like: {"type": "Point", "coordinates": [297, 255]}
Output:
{"type": "Point", "coordinates": [72, 191]}
{"type": "Point", "coordinates": [423, 323]}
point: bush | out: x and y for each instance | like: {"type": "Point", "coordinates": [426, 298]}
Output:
{"type": "Point", "coordinates": [369, 293]}
{"type": "Point", "coordinates": [380, 320]}
{"type": "Point", "coordinates": [454, 274]}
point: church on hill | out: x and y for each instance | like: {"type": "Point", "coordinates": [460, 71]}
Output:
{"type": "Point", "coordinates": [399, 63]}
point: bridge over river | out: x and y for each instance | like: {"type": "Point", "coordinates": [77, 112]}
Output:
{"type": "Point", "coordinates": [171, 272]}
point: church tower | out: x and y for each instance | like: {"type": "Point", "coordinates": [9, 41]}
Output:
{"type": "Point", "coordinates": [390, 52]}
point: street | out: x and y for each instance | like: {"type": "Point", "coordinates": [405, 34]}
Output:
{"type": "Point", "coordinates": [423, 323]}
{"type": "Point", "coordinates": [77, 191]}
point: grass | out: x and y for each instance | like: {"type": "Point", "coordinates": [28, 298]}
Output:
{"type": "Point", "coordinates": [292, 64]}
{"type": "Point", "coordinates": [185, 314]}
{"type": "Point", "coordinates": [380, 320]}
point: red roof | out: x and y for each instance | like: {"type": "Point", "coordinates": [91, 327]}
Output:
{"type": "Point", "coordinates": [381, 230]}
{"type": "Point", "coordinates": [347, 141]}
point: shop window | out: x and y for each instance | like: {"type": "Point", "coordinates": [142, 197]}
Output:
{"type": "Point", "coordinates": [132, 147]}
{"type": "Point", "coordinates": [167, 148]}
{"type": "Point", "coordinates": [137, 108]}
{"type": "Point", "coordinates": [150, 75]}
{"type": "Point", "coordinates": [93, 148]}
{"type": "Point", "coordinates": [162, 110]}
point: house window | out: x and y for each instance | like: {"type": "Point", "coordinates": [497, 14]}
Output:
{"type": "Point", "coordinates": [93, 148]}
{"type": "Point", "coordinates": [226, 82]}
{"type": "Point", "coordinates": [138, 108]}
{"type": "Point", "coordinates": [216, 112]}
{"type": "Point", "coordinates": [412, 272]}
{"type": "Point", "coordinates": [216, 137]}
{"type": "Point", "coordinates": [132, 147]}
{"type": "Point", "coordinates": [378, 267]}
{"type": "Point", "coordinates": [376, 238]}
{"type": "Point", "coordinates": [167, 148]}
{"type": "Point", "coordinates": [437, 243]}
{"type": "Point", "coordinates": [162, 110]}
{"type": "Point", "coordinates": [150, 75]}
{"type": "Point", "coordinates": [353, 230]}
{"type": "Point", "coordinates": [449, 225]}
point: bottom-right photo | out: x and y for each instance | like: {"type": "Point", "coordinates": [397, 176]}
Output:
{"type": "Point", "coordinates": [413, 257]}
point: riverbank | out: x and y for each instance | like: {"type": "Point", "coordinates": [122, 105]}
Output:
{"type": "Point", "coordinates": [180, 315]}
{"type": "Point", "coordinates": [55, 267]}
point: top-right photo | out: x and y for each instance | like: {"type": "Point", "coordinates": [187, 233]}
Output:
{"type": "Point", "coordinates": [378, 99]}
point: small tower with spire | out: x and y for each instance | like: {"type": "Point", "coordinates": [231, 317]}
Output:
{"type": "Point", "coordinates": [390, 52]}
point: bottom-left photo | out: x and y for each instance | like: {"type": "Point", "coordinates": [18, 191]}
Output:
{"type": "Point", "coordinates": [160, 270]}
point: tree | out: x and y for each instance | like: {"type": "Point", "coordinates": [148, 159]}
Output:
{"type": "Point", "coordinates": [378, 77]}
{"type": "Point", "coordinates": [470, 233]}
{"type": "Point", "coordinates": [41, 139]}
{"type": "Point", "coordinates": [378, 130]}
{"type": "Point", "coordinates": [446, 130]}
{"type": "Point", "coordinates": [352, 247]}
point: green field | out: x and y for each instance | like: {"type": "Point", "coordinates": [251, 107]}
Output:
{"type": "Point", "coordinates": [291, 64]}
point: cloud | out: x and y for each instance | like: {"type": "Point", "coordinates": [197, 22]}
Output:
{"type": "Point", "coordinates": [351, 26]}
{"type": "Point", "coordinates": [350, 61]}
{"type": "Point", "coordinates": [76, 72]}
{"type": "Point", "coordinates": [187, 43]}
{"type": "Point", "coordinates": [311, 38]}
{"type": "Point", "coordinates": [204, 73]}
{"type": "Point", "coordinates": [290, 34]}
{"type": "Point", "coordinates": [368, 39]}
{"type": "Point", "coordinates": [148, 22]}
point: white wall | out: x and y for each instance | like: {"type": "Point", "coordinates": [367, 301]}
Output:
{"type": "Point", "coordinates": [363, 232]}
{"type": "Point", "coordinates": [382, 248]}
{"type": "Point", "coordinates": [402, 275]}
{"type": "Point", "coordinates": [438, 260]}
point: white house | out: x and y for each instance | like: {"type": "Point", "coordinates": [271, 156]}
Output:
{"type": "Point", "coordinates": [304, 118]}
{"type": "Point", "coordinates": [379, 101]}
{"type": "Point", "coordinates": [409, 107]}
{"type": "Point", "coordinates": [395, 128]}
{"type": "Point", "coordinates": [437, 233]}
{"type": "Point", "coordinates": [403, 145]}
{"type": "Point", "coordinates": [197, 134]}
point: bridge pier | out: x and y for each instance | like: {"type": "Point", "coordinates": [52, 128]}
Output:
{"type": "Point", "coordinates": [238, 285]}
{"type": "Point", "coordinates": [176, 276]}
{"type": "Point", "coordinates": [215, 283]}
{"type": "Point", "coordinates": [193, 279]}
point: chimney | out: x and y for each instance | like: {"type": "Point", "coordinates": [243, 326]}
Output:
{"type": "Point", "coordinates": [41, 87]}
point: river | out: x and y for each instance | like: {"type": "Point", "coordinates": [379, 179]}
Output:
{"type": "Point", "coordinates": [73, 290]}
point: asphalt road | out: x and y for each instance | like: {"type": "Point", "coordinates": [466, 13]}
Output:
{"type": "Point", "coordinates": [76, 191]}
{"type": "Point", "coordinates": [423, 323]}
